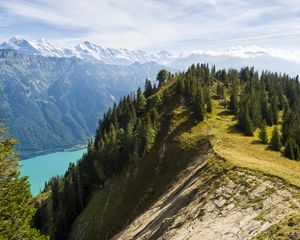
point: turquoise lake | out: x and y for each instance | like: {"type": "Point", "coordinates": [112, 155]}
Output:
{"type": "Point", "coordinates": [40, 169]}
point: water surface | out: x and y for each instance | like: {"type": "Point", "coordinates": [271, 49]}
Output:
{"type": "Point", "coordinates": [40, 169]}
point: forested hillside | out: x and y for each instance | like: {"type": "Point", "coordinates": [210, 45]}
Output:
{"type": "Point", "coordinates": [142, 144]}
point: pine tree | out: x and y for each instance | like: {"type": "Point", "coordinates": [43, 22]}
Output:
{"type": "Point", "coordinates": [140, 101]}
{"type": "Point", "coordinates": [263, 135]}
{"type": "Point", "coordinates": [244, 121]}
{"type": "Point", "coordinates": [255, 110]}
{"type": "Point", "coordinates": [233, 103]}
{"type": "Point", "coordinates": [208, 103]}
{"type": "Point", "coordinates": [274, 107]}
{"type": "Point", "coordinates": [248, 124]}
{"type": "Point", "coordinates": [16, 211]}
{"type": "Point", "coordinates": [55, 193]}
{"type": "Point", "coordinates": [148, 88]}
{"type": "Point", "coordinates": [291, 149]}
{"type": "Point", "coordinates": [180, 86]}
{"type": "Point", "coordinates": [162, 76]}
{"type": "Point", "coordinates": [149, 136]}
{"type": "Point", "coordinates": [199, 106]}
{"type": "Point", "coordinates": [275, 142]}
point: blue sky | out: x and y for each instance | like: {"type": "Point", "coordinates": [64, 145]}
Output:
{"type": "Point", "coordinates": [172, 25]}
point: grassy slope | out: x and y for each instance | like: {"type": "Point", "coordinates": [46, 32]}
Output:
{"type": "Point", "coordinates": [139, 186]}
{"type": "Point", "coordinates": [247, 152]}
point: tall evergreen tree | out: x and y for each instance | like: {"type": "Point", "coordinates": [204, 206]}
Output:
{"type": "Point", "coordinates": [209, 103]}
{"type": "Point", "coordinates": [233, 103]}
{"type": "Point", "coordinates": [148, 88]}
{"type": "Point", "coordinates": [199, 105]}
{"type": "Point", "coordinates": [263, 135]}
{"type": "Point", "coordinates": [162, 76]}
{"type": "Point", "coordinates": [140, 101]}
{"type": "Point", "coordinates": [16, 211]}
{"type": "Point", "coordinates": [291, 149]}
{"type": "Point", "coordinates": [244, 121]}
{"type": "Point", "coordinates": [275, 142]}
{"type": "Point", "coordinates": [248, 124]}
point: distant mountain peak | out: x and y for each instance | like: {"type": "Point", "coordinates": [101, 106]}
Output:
{"type": "Point", "coordinates": [20, 44]}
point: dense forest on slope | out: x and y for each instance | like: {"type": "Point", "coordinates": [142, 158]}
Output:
{"type": "Point", "coordinates": [131, 135]}
{"type": "Point", "coordinates": [16, 209]}
{"type": "Point", "coordinates": [44, 99]}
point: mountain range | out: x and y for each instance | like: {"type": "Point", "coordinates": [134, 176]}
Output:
{"type": "Point", "coordinates": [86, 51]}
{"type": "Point", "coordinates": [235, 57]}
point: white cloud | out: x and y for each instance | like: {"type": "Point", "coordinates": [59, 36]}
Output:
{"type": "Point", "coordinates": [152, 24]}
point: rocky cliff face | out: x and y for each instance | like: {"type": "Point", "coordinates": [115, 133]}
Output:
{"type": "Point", "coordinates": [215, 201]}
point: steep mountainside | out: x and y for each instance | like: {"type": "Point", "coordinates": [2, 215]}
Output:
{"type": "Point", "coordinates": [175, 162]}
{"type": "Point", "coordinates": [54, 103]}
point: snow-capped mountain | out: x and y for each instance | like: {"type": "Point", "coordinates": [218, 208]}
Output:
{"type": "Point", "coordinates": [19, 44]}
{"type": "Point", "coordinates": [86, 51]}
{"type": "Point", "coordinates": [261, 58]}
{"type": "Point", "coordinates": [47, 48]}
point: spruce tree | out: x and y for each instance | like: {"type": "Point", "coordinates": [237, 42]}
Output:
{"type": "Point", "coordinates": [233, 103]}
{"type": "Point", "coordinates": [140, 101]}
{"type": "Point", "coordinates": [274, 107]}
{"type": "Point", "coordinates": [248, 124]}
{"type": "Point", "coordinates": [16, 211]}
{"type": "Point", "coordinates": [263, 135]}
{"type": "Point", "coordinates": [162, 76]}
{"type": "Point", "coordinates": [244, 121]}
{"type": "Point", "coordinates": [275, 142]}
{"type": "Point", "coordinates": [148, 88]}
{"type": "Point", "coordinates": [255, 110]}
{"type": "Point", "coordinates": [149, 136]}
{"type": "Point", "coordinates": [209, 104]}
{"type": "Point", "coordinates": [199, 106]}
{"type": "Point", "coordinates": [180, 86]}
{"type": "Point", "coordinates": [291, 149]}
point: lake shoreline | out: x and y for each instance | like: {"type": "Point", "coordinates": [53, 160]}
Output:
{"type": "Point", "coordinates": [52, 150]}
